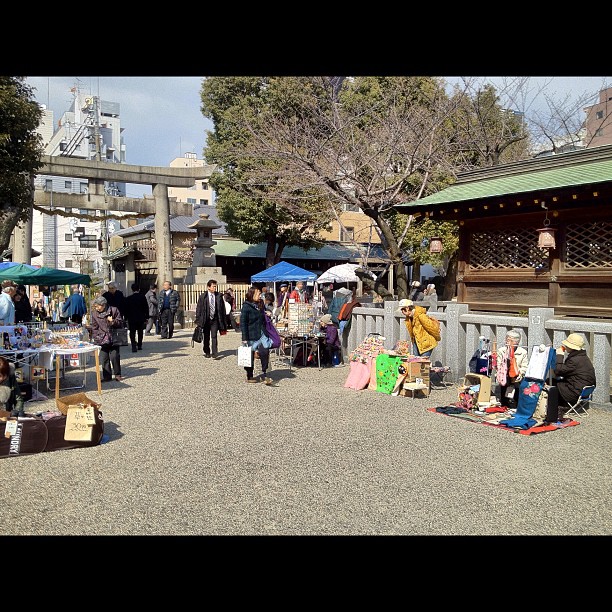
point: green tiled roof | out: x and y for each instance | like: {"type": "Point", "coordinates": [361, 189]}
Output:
{"type": "Point", "coordinates": [340, 252]}
{"type": "Point", "coordinates": [566, 170]}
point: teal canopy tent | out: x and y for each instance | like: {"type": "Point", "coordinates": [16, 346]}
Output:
{"type": "Point", "coordinates": [23, 274]}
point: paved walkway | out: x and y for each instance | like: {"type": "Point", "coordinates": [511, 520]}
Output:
{"type": "Point", "coordinates": [193, 450]}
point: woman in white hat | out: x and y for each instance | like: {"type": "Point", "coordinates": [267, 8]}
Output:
{"type": "Point", "coordinates": [430, 298]}
{"type": "Point", "coordinates": [573, 371]}
{"type": "Point", "coordinates": [422, 330]}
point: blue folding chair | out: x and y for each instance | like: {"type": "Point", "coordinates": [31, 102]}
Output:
{"type": "Point", "coordinates": [580, 406]}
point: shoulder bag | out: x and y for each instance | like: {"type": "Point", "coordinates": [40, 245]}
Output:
{"type": "Point", "coordinates": [119, 336]}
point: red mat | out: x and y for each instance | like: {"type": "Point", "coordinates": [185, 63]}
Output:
{"type": "Point", "coordinates": [538, 429]}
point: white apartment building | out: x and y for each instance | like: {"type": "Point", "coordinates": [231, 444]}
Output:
{"type": "Point", "coordinates": [90, 129]}
{"type": "Point", "coordinates": [200, 194]}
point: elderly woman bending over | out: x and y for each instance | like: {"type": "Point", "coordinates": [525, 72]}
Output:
{"type": "Point", "coordinates": [103, 319]}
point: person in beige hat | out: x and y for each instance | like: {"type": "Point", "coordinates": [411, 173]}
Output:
{"type": "Point", "coordinates": [573, 371]}
{"type": "Point", "coordinates": [423, 331]}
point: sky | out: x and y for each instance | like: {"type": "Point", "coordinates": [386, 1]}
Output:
{"type": "Point", "coordinates": [161, 117]}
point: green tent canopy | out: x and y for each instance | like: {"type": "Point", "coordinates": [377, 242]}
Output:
{"type": "Point", "coordinates": [22, 274]}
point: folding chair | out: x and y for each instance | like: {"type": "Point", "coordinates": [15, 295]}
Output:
{"type": "Point", "coordinates": [436, 377]}
{"type": "Point", "coordinates": [586, 396]}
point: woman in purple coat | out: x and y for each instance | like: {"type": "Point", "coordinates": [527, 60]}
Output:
{"type": "Point", "coordinates": [333, 346]}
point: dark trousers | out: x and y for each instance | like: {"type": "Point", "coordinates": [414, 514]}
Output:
{"type": "Point", "coordinates": [506, 401]}
{"type": "Point", "coordinates": [110, 361]}
{"type": "Point", "coordinates": [136, 332]}
{"type": "Point", "coordinates": [76, 318]}
{"type": "Point", "coordinates": [209, 336]}
{"type": "Point", "coordinates": [166, 323]}
{"type": "Point", "coordinates": [264, 355]}
{"type": "Point", "coordinates": [151, 322]}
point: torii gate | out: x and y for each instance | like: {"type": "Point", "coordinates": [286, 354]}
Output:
{"type": "Point", "coordinates": [96, 173]}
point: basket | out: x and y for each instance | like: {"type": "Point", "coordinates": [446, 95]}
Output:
{"type": "Point", "coordinates": [74, 400]}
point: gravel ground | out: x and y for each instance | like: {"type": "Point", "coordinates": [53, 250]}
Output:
{"type": "Point", "coordinates": [193, 450]}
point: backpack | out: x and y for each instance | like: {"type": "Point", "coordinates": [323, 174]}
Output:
{"type": "Point", "coordinates": [436, 332]}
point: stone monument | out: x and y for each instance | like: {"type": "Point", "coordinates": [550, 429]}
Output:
{"type": "Point", "coordinates": [204, 264]}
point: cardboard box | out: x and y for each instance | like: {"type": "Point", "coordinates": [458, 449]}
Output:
{"type": "Point", "coordinates": [470, 380]}
{"type": "Point", "coordinates": [74, 400]}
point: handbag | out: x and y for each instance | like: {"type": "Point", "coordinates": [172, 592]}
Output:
{"type": "Point", "coordinates": [119, 336]}
{"type": "Point", "coordinates": [197, 335]}
{"type": "Point", "coordinates": [272, 333]}
{"type": "Point", "coordinates": [245, 356]}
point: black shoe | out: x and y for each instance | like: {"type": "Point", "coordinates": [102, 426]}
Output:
{"type": "Point", "coordinates": [134, 349]}
{"type": "Point", "coordinates": [140, 348]}
{"type": "Point", "coordinates": [215, 355]}
{"type": "Point", "coordinates": [207, 355]}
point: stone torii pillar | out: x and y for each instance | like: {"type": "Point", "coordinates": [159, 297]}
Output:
{"type": "Point", "coordinates": [163, 237]}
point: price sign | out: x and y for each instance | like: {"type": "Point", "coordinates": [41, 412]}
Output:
{"type": "Point", "coordinates": [74, 360]}
{"type": "Point", "coordinates": [78, 427]}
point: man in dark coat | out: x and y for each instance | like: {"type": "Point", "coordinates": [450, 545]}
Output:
{"type": "Point", "coordinates": [137, 314]}
{"type": "Point", "coordinates": [115, 297]}
{"type": "Point", "coordinates": [211, 317]}
{"type": "Point", "coordinates": [573, 372]}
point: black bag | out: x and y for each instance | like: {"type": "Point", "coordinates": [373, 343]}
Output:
{"type": "Point", "coordinates": [119, 336]}
{"type": "Point", "coordinates": [197, 335]}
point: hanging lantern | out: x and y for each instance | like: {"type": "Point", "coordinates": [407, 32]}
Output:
{"type": "Point", "coordinates": [435, 245]}
{"type": "Point", "coordinates": [546, 239]}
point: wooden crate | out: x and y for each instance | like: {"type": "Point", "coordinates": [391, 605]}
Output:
{"type": "Point", "coordinates": [470, 380]}
{"type": "Point", "coordinates": [416, 370]}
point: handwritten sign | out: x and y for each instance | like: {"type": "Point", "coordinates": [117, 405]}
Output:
{"type": "Point", "coordinates": [79, 423]}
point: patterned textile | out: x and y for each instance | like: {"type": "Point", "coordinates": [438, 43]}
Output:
{"type": "Point", "coordinates": [387, 372]}
{"type": "Point", "coordinates": [529, 392]}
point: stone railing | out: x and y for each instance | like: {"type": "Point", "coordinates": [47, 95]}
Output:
{"type": "Point", "coordinates": [462, 329]}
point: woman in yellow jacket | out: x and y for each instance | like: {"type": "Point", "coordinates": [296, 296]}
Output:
{"type": "Point", "coordinates": [424, 332]}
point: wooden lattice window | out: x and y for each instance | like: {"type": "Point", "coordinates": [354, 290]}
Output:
{"type": "Point", "coordinates": [588, 245]}
{"type": "Point", "coordinates": [506, 249]}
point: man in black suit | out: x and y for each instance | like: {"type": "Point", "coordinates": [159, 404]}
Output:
{"type": "Point", "coordinates": [136, 313]}
{"type": "Point", "coordinates": [210, 316]}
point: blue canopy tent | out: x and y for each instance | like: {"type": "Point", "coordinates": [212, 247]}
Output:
{"type": "Point", "coordinates": [283, 271]}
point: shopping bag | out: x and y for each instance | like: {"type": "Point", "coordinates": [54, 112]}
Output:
{"type": "Point", "coordinates": [245, 356]}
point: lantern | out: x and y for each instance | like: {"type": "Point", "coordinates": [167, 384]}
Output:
{"type": "Point", "coordinates": [435, 245]}
{"type": "Point", "coordinates": [546, 238]}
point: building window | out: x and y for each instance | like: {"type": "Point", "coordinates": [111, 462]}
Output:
{"type": "Point", "coordinates": [599, 132]}
{"type": "Point", "coordinates": [204, 184]}
{"type": "Point", "coordinates": [68, 263]}
{"type": "Point", "coordinates": [68, 210]}
{"type": "Point", "coordinates": [48, 185]}
{"type": "Point", "coordinates": [346, 234]}
{"type": "Point", "coordinates": [83, 211]}
{"type": "Point", "coordinates": [203, 202]}
{"type": "Point", "coordinates": [599, 115]}
{"type": "Point", "coordinates": [83, 187]}
{"type": "Point", "coordinates": [191, 201]}
{"type": "Point", "coordinates": [87, 267]}
{"type": "Point", "coordinates": [68, 184]}
{"type": "Point", "coordinates": [68, 237]}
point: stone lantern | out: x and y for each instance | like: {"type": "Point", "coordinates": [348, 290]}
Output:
{"type": "Point", "coordinates": [204, 265]}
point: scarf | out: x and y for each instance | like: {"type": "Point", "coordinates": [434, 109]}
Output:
{"type": "Point", "coordinates": [502, 371]}
{"type": "Point", "coordinates": [513, 368]}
